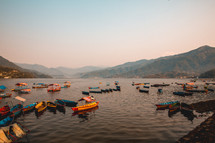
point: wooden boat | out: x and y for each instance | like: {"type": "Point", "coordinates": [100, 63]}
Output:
{"type": "Point", "coordinates": [159, 85]}
{"type": "Point", "coordinates": [103, 90]}
{"type": "Point", "coordinates": [118, 88]}
{"type": "Point", "coordinates": [5, 95]}
{"type": "Point", "coordinates": [53, 87]}
{"type": "Point", "coordinates": [85, 111]}
{"type": "Point", "coordinates": [85, 107]}
{"type": "Point", "coordinates": [25, 91]}
{"type": "Point", "coordinates": [95, 91]}
{"type": "Point", "coordinates": [142, 90]}
{"type": "Point", "coordinates": [16, 110]}
{"type": "Point", "coordinates": [39, 85]}
{"type": "Point", "coordinates": [4, 111]}
{"type": "Point", "coordinates": [85, 92]}
{"type": "Point", "coordinates": [67, 84]}
{"type": "Point", "coordinates": [68, 102]}
{"type": "Point", "coordinates": [41, 106]}
{"type": "Point", "coordinates": [166, 105]}
{"type": "Point", "coordinates": [29, 107]}
{"type": "Point", "coordinates": [183, 93]}
{"type": "Point", "coordinates": [200, 91]}
{"type": "Point", "coordinates": [93, 87]}
{"type": "Point", "coordinates": [2, 88]}
{"type": "Point", "coordinates": [13, 133]}
{"type": "Point", "coordinates": [6, 121]}
{"type": "Point", "coordinates": [51, 105]}
{"type": "Point", "coordinates": [59, 103]}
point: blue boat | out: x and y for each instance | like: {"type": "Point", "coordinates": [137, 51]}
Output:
{"type": "Point", "coordinates": [94, 91]}
{"type": "Point", "coordinates": [16, 110]}
{"type": "Point", "coordinates": [6, 121]}
{"type": "Point", "coordinates": [183, 93]}
{"type": "Point", "coordinates": [68, 102]}
{"type": "Point", "coordinates": [146, 86]}
{"type": "Point", "coordinates": [2, 88]}
{"type": "Point", "coordinates": [29, 107]}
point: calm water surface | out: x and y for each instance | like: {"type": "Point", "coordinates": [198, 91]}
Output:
{"type": "Point", "coordinates": [125, 116]}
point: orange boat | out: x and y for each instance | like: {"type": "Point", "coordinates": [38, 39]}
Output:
{"type": "Point", "coordinates": [85, 107]}
{"type": "Point", "coordinates": [54, 87]}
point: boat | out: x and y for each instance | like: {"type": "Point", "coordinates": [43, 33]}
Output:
{"type": "Point", "coordinates": [110, 89]}
{"type": "Point", "coordinates": [103, 90]}
{"type": "Point", "coordinates": [53, 87]}
{"type": "Point", "coordinates": [85, 92]}
{"type": "Point", "coordinates": [200, 91]}
{"type": "Point", "coordinates": [85, 111]}
{"type": "Point", "coordinates": [4, 111]}
{"type": "Point", "coordinates": [166, 105]}
{"type": "Point", "coordinates": [5, 95]}
{"type": "Point", "coordinates": [40, 85]}
{"type": "Point", "coordinates": [115, 89]}
{"type": "Point", "coordinates": [94, 91]}
{"type": "Point", "coordinates": [85, 107]}
{"type": "Point", "coordinates": [159, 85]}
{"type": "Point", "coordinates": [146, 86]}
{"type": "Point", "coordinates": [118, 88]}
{"type": "Point", "coordinates": [2, 88]}
{"type": "Point", "coordinates": [68, 102]}
{"type": "Point", "coordinates": [29, 107]}
{"type": "Point", "coordinates": [142, 90]}
{"type": "Point", "coordinates": [20, 86]}
{"type": "Point", "coordinates": [16, 110]}
{"type": "Point", "coordinates": [212, 90]}
{"type": "Point", "coordinates": [6, 121]}
{"type": "Point", "coordinates": [51, 105]}
{"type": "Point", "coordinates": [13, 133]}
{"type": "Point", "coordinates": [172, 111]}
{"type": "Point", "coordinates": [93, 87]}
{"type": "Point", "coordinates": [67, 84]}
{"type": "Point", "coordinates": [137, 87]}
{"type": "Point", "coordinates": [25, 91]}
{"type": "Point", "coordinates": [183, 93]}
{"type": "Point", "coordinates": [41, 106]}
{"type": "Point", "coordinates": [59, 103]}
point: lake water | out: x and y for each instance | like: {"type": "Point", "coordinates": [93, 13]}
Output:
{"type": "Point", "coordinates": [127, 116]}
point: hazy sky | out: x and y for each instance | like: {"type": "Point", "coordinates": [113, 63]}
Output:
{"type": "Point", "coordinates": [76, 33]}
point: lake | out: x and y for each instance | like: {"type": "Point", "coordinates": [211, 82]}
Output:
{"type": "Point", "coordinates": [126, 116]}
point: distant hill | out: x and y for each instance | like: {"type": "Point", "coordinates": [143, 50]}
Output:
{"type": "Point", "coordinates": [59, 72]}
{"type": "Point", "coordinates": [208, 74]}
{"type": "Point", "coordinates": [117, 70]}
{"type": "Point", "coordinates": [10, 70]}
{"type": "Point", "coordinates": [187, 64]}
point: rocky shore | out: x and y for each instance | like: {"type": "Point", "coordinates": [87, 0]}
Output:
{"type": "Point", "coordinates": [205, 132]}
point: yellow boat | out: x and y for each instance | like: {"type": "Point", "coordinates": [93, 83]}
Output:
{"type": "Point", "coordinates": [41, 106]}
{"type": "Point", "coordinates": [51, 105]}
{"type": "Point", "coordinates": [85, 107]}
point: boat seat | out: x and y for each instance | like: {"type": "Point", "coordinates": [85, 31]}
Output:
{"type": "Point", "coordinates": [19, 132]}
{"type": "Point", "coordinates": [3, 137]}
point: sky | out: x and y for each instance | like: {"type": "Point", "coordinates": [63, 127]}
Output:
{"type": "Point", "coordinates": [77, 33]}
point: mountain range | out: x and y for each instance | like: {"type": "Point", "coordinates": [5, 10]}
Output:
{"type": "Point", "coordinates": [191, 63]}
{"type": "Point", "coordinates": [60, 72]}
{"type": "Point", "coordinates": [188, 64]}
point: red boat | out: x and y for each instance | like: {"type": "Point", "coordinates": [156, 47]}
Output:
{"type": "Point", "coordinates": [4, 111]}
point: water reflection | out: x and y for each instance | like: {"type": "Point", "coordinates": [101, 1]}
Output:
{"type": "Point", "coordinates": [38, 114]}
{"type": "Point", "coordinates": [185, 109]}
{"type": "Point", "coordinates": [61, 109]}
{"type": "Point", "coordinates": [86, 114]}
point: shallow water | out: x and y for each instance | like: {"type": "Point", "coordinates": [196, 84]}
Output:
{"type": "Point", "coordinates": [125, 116]}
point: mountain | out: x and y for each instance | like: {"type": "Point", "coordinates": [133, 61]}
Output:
{"type": "Point", "coordinates": [186, 64]}
{"type": "Point", "coordinates": [50, 71]}
{"type": "Point", "coordinates": [60, 72]}
{"type": "Point", "coordinates": [117, 70]}
{"type": "Point", "coordinates": [11, 70]}
{"type": "Point", "coordinates": [208, 74]}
